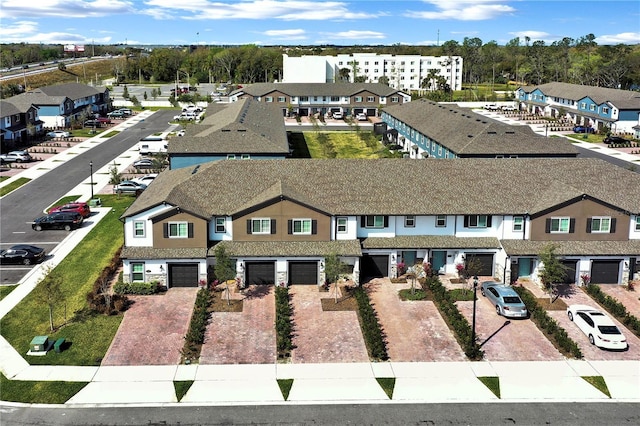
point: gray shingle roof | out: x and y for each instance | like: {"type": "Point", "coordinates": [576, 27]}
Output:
{"type": "Point", "coordinates": [71, 90]}
{"type": "Point", "coordinates": [467, 133]}
{"type": "Point", "coordinates": [573, 248]}
{"type": "Point", "coordinates": [318, 89]}
{"type": "Point", "coordinates": [243, 127]}
{"type": "Point", "coordinates": [7, 109]}
{"type": "Point", "coordinates": [622, 99]}
{"type": "Point", "coordinates": [394, 186]}
{"type": "Point", "coordinates": [290, 248]}
{"type": "Point", "coordinates": [35, 97]}
{"type": "Point", "coordinates": [162, 253]}
{"type": "Point", "coordinates": [432, 241]}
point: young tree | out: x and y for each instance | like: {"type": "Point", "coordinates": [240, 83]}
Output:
{"type": "Point", "coordinates": [553, 271]}
{"type": "Point", "coordinates": [125, 92]}
{"type": "Point", "coordinates": [224, 268]}
{"type": "Point", "coordinates": [48, 291]}
{"type": "Point", "coordinates": [333, 267]}
{"type": "Point", "coordinates": [154, 93]}
{"type": "Point", "coordinates": [414, 273]}
{"type": "Point", "coordinates": [115, 176]}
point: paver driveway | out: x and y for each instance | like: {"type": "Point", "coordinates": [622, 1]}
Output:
{"type": "Point", "coordinates": [415, 330]}
{"type": "Point", "coordinates": [246, 337]}
{"type": "Point", "coordinates": [153, 328]}
{"type": "Point", "coordinates": [323, 336]}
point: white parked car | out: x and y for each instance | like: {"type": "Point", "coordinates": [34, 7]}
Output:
{"type": "Point", "coordinates": [146, 179]}
{"type": "Point", "coordinates": [16, 156]}
{"type": "Point", "coordinates": [598, 327]}
{"type": "Point", "coordinates": [58, 134]}
{"type": "Point", "coordinates": [337, 115]}
{"type": "Point", "coordinates": [361, 116]}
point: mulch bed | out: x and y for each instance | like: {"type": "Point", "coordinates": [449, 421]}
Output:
{"type": "Point", "coordinates": [345, 303]}
{"type": "Point", "coordinates": [219, 302]}
{"type": "Point", "coordinates": [557, 305]}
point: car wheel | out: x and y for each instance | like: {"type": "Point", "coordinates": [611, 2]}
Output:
{"type": "Point", "coordinates": [591, 339]}
{"type": "Point", "coordinates": [38, 228]}
{"type": "Point", "coordinates": [498, 310]}
{"type": "Point", "coordinates": [570, 315]}
{"type": "Point", "coordinates": [67, 227]}
{"type": "Point", "coordinates": [26, 261]}
{"type": "Point", "coordinates": [482, 292]}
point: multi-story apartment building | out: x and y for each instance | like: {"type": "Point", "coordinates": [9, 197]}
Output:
{"type": "Point", "coordinates": [402, 72]}
{"type": "Point", "coordinates": [280, 219]}
{"type": "Point", "coordinates": [18, 123]}
{"type": "Point", "coordinates": [604, 109]}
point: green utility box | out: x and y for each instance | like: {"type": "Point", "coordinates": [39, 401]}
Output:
{"type": "Point", "coordinates": [39, 344]}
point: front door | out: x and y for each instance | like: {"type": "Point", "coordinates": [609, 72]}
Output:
{"type": "Point", "coordinates": [439, 259]}
{"type": "Point", "coordinates": [524, 267]}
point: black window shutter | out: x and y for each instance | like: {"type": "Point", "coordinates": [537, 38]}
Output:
{"type": "Point", "coordinates": [165, 230]}
{"type": "Point", "coordinates": [249, 226]}
{"type": "Point", "coordinates": [466, 221]}
{"type": "Point", "coordinates": [314, 227]}
{"type": "Point", "coordinates": [190, 230]}
{"type": "Point", "coordinates": [547, 226]}
{"type": "Point", "coordinates": [588, 225]}
{"type": "Point", "coordinates": [612, 227]}
{"type": "Point", "coordinates": [489, 221]}
{"type": "Point", "coordinates": [290, 227]}
{"type": "Point", "coordinates": [386, 221]}
{"type": "Point", "coordinates": [572, 226]}
{"type": "Point", "coordinates": [273, 226]}
{"type": "Point", "coordinates": [363, 221]}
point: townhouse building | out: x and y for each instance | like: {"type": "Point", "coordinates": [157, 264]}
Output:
{"type": "Point", "coordinates": [242, 130]}
{"type": "Point", "coordinates": [280, 219]}
{"type": "Point", "coordinates": [402, 72]}
{"type": "Point", "coordinates": [427, 129]}
{"type": "Point", "coordinates": [59, 105]}
{"type": "Point", "coordinates": [307, 99]}
{"type": "Point", "coordinates": [18, 124]}
{"type": "Point", "coordinates": [604, 109]}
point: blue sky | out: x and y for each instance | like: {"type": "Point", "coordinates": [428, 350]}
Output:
{"type": "Point", "coordinates": [308, 22]}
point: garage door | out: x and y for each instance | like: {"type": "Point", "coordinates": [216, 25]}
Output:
{"type": "Point", "coordinates": [374, 267]}
{"type": "Point", "coordinates": [261, 272]}
{"type": "Point", "coordinates": [485, 263]}
{"type": "Point", "coordinates": [303, 272]}
{"type": "Point", "coordinates": [570, 271]}
{"type": "Point", "coordinates": [183, 275]}
{"type": "Point", "coordinates": [605, 271]}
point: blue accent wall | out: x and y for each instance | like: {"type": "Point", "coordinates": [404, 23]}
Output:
{"type": "Point", "coordinates": [181, 162]}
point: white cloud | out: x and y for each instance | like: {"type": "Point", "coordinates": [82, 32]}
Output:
{"type": "Point", "coordinates": [533, 35]}
{"type": "Point", "coordinates": [624, 38]}
{"type": "Point", "coordinates": [64, 8]}
{"type": "Point", "coordinates": [463, 10]}
{"type": "Point", "coordinates": [355, 35]}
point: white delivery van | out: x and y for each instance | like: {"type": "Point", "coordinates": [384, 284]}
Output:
{"type": "Point", "coordinates": [152, 145]}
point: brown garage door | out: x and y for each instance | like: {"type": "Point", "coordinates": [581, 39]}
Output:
{"type": "Point", "coordinates": [605, 271]}
{"type": "Point", "coordinates": [183, 275]}
{"type": "Point", "coordinates": [485, 262]}
{"type": "Point", "coordinates": [374, 267]}
{"type": "Point", "coordinates": [303, 272]}
{"type": "Point", "coordinates": [261, 272]}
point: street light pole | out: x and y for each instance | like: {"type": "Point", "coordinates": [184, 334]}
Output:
{"type": "Point", "coordinates": [91, 177]}
{"type": "Point", "coordinates": [473, 322]}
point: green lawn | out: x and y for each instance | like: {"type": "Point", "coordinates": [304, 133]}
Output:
{"type": "Point", "coordinates": [321, 144]}
{"type": "Point", "coordinates": [89, 335]}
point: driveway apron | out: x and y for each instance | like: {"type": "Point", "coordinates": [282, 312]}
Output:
{"type": "Point", "coordinates": [415, 330]}
{"type": "Point", "coordinates": [246, 337]}
{"type": "Point", "coordinates": [324, 337]}
{"type": "Point", "coordinates": [152, 331]}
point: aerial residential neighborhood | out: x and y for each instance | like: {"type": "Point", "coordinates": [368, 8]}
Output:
{"type": "Point", "coordinates": [476, 201]}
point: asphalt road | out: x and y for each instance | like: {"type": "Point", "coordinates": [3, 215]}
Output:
{"type": "Point", "coordinates": [588, 153]}
{"type": "Point", "coordinates": [583, 414]}
{"type": "Point", "coordinates": [20, 207]}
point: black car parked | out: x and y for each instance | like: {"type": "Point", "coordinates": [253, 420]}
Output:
{"type": "Point", "coordinates": [614, 139]}
{"type": "Point", "coordinates": [24, 254]}
{"type": "Point", "coordinates": [59, 220]}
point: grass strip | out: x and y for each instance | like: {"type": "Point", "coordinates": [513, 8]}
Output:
{"type": "Point", "coordinates": [35, 392]}
{"type": "Point", "coordinates": [599, 383]}
{"type": "Point", "coordinates": [285, 387]}
{"type": "Point", "coordinates": [387, 384]}
{"type": "Point", "coordinates": [182, 387]}
{"type": "Point", "coordinates": [491, 382]}
{"type": "Point", "coordinates": [13, 185]}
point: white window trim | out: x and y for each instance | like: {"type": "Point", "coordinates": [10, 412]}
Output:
{"type": "Point", "coordinates": [600, 230]}
{"type": "Point", "coordinates": [518, 220]}
{"type": "Point", "coordinates": [338, 225]}
{"type": "Point", "coordinates": [133, 264]}
{"type": "Point", "coordinates": [637, 223]}
{"type": "Point", "coordinates": [224, 225]}
{"type": "Point", "coordinates": [301, 221]}
{"type": "Point", "coordinates": [262, 231]}
{"type": "Point", "coordinates": [186, 235]}
{"type": "Point", "coordinates": [444, 225]}
{"type": "Point", "coordinates": [410, 221]}
{"type": "Point", "coordinates": [144, 230]}
{"type": "Point", "coordinates": [560, 219]}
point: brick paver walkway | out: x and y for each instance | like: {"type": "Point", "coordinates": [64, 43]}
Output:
{"type": "Point", "coordinates": [152, 331]}
{"type": "Point", "coordinates": [246, 337]}
{"type": "Point", "coordinates": [415, 330]}
{"type": "Point", "coordinates": [324, 337]}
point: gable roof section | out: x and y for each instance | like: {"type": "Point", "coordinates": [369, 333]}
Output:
{"type": "Point", "coordinates": [364, 186]}
{"type": "Point", "coordinates": [622, 99]}
{"type": "Point", "coordinates": [318, 89]}
{"type": "Point", "coordinates": [7, 109]}
{"type": "Point", "coordinates": [71, 90]}
{"type": "Point", "coordinates": [245, 126]}
{"type": "Point", "coordinates": [465, 132]}
{"type": "Point", "coordinates": [35, 97]}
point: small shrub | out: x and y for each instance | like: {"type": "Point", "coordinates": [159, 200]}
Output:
{"type": "Point", "coordinates": [614, 307]}
{"type": "Point", "coordinates": [197, 327]}
{"type": "Point", "coordinates": [284, 327]}
{"type": "Point", "coordinates": [371, 329]}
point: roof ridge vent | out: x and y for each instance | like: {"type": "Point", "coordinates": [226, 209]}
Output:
{"type": "Point", "coordinates": [195, 169]}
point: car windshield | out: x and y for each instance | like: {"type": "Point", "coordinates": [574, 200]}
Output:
{"type": "Point", "coordinates": [512, 299]}
{"type": "Point", "coordinates": [608, 329]}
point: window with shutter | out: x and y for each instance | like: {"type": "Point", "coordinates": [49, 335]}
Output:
{"type": "Point", "coordinates": [260, 226]}
{"type": "Point", "coordinates": [559, 225]}
{"type": "Point", "coordinates": [179, 229]}
{"type": "Point", "coordinates": [600, 224]}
